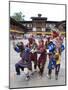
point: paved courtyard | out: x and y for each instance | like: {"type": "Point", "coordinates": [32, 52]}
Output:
{"type": "Point", "coordinates": [35, 80]}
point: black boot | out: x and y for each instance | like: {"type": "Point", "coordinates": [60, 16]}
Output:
{"type": "Point", "coordinates": [56, 77]}
{"type": "Point", "coordinates": [17, 69]}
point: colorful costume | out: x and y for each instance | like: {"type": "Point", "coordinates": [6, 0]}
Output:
{"type": "Point", "coordinates": [42, 58]}
{"type": "Point", "coordinates": [25, 61]}
{"type": "Point", "coordinates": [33, 54]}
{"type": "Point", "coordinates": [57, 67]}
{"type": "Point", "coordinates": [52, 63]}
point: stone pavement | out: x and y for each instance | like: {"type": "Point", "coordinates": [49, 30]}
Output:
{"type": "Point", "coordinates": [35, 80]}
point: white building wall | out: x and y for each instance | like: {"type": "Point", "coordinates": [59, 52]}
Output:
{"type": "Point", "coordinates": [43, 29]}
{"type": "Point", "coordinates": [34, 29]}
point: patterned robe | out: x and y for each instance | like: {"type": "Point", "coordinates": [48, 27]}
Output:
{"type": "Point", "coordinates": [42, 58]}
{"type": "Point", "coordinates": [33, 56]}
{"type": "Point", "coordinates": [25, 58]}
